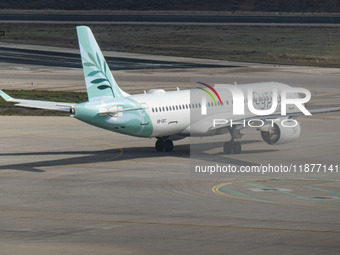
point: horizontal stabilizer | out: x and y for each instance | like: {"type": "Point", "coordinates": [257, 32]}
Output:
{"type": "Point", "coordinates": [117, 110]}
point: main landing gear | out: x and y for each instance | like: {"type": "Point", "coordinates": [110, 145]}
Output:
{"type": "Point", "coordinates": [232, 146]}
{"type": "Point", "coordinates": [163, 144]}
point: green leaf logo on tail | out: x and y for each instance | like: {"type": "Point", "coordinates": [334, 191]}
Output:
{"type": "Point", "coordinates": [99, 80]}
{"type": "Point", "coordinates": [100, 66]}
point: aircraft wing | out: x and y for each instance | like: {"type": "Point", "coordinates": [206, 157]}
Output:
{"type": "Point", "coordinates": [324, 110]}
{"type": "Point", "coordinates": [48, 105]}
{"type": "Point", "coordinates": [275, 116]}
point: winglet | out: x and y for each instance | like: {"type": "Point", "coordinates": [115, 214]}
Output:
{"type": "Point", "coordinates": [5, 96]}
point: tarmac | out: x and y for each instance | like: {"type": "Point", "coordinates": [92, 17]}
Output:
{"type": "Point", "coordinates": [71, 188]}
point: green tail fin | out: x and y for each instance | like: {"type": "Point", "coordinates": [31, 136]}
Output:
{"type": "Point", "coordinates": [99, 81]}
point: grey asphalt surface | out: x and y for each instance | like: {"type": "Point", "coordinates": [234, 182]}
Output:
{"type": "Point", "coordinates": [73, 60]}
{"type": "Point", "coordinates": [173, 18]}
{"type": "Point", "coordinates": [69, 187]}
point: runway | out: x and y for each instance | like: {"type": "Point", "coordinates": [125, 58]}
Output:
{"type": "Point", "coordinates": [73, 188]}
{"type": "Point", "coordinates": [70, 186]}
{"type": "Point", "coordinates": [73, 60]}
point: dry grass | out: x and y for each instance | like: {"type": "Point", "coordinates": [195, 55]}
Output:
{"type": "Point", "coordinates": [317, 46]}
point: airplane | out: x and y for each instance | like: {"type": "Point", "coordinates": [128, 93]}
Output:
{"type": "Point", "coordinates": [173, 115]}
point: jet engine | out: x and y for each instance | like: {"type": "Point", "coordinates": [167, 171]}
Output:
{"type": "Point", "coordinates": [280, 131]}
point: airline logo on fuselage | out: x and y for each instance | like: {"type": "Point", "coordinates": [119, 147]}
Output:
{"type": "Point", "coordinates": [266, 103]}
{"type": "Point", "coordinates": [213, 90]}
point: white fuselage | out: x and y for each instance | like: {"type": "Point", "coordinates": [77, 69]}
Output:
{"type": "Point", "coordinates": [179, 113]}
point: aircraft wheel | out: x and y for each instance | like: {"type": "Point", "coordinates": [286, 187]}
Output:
{"type": "Point", "coordinates": [227, 147]}
{"type": "Point", "coordinates": [159, 145]}
{"type": "Point", "coordinates": [169, 146]}
{"type": "Point", "coordinates": [237, 148]}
